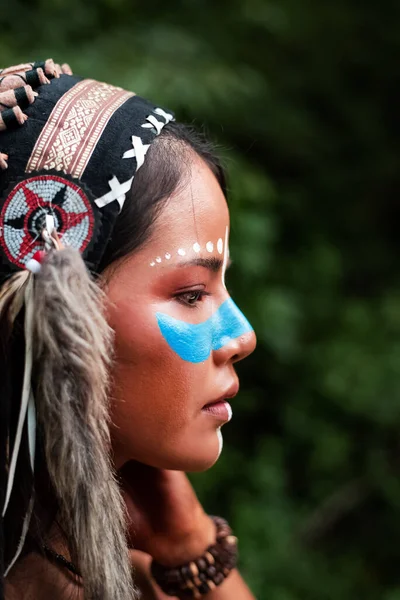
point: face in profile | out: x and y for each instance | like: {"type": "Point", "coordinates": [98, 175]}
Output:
{"type": "Point", "coordinates": [178, 334]}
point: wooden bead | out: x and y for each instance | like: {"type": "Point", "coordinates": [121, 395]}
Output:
{"type": "Point", "coordinates": [204, 589]}
{"type": "Point", "coordinates": [204, 574]}
{"type": "Point", "coordinates": [218, 579]}
{"type": "Point", "coordinates": [174, 576]}
{"type": "Point", "coordinates": [201, 563]}
{"type": "Point", "coordinates": [211, 571]}
{"type": "Point", "coordinates": [231, 540]}
{"type": "Point", "coordinates": [214, 551]}
{"type": "Point", "coordinates": [186, 572]}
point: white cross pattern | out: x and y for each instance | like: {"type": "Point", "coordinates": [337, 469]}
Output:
{"type": "Point", "coordinates": [153, 122]}
{"type": "Point", "coordinates": [162, 113]}
{"type": "Point", "coordinates": [118, 192]}
{"type": "Point", "coordinates": [139, 151]}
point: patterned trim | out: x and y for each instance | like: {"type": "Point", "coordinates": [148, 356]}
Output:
{"type": "Point", "coordinates": [75, 126]}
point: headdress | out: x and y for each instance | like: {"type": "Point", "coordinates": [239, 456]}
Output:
{"type": "Point", "coordinates": [69, 151]}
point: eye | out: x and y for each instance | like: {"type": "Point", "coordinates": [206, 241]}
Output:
{"type": "Point", "coordinates": [192, 298]}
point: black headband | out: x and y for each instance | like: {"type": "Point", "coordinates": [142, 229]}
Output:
{"type": "Point", "coordinates": [75, 157]}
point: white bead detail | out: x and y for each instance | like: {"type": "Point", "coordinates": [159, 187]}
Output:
{"type": "Point", "coordinates": [220, 246]}
{"type": "Point", "coordinates": [196, 247]}
{"type": "Point", "coordinates": [181, 252]}
{"type": "Point", "coordinates": [210, 246]}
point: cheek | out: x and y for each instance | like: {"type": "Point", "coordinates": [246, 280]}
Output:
{"type": "Point", "coordinates": [152, 385]}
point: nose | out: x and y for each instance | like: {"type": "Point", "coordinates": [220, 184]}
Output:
{"type": "Point", "coordinates": [236, 349]}
{"type": "Point", "coordinates": [233, 336]}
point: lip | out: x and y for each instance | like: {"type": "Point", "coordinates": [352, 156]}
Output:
{"type": "Point", "coordinates": [220, 408]}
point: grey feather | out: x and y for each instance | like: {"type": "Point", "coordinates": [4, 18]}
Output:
{"type": "Point", "coordinates": [72, 352]}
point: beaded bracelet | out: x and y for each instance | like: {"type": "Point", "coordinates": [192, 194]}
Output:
{"type": "Point", "coordinates": [200, 576]}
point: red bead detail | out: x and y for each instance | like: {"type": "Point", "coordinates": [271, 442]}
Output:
{"type": "Point", "coordinates": [39, 256]}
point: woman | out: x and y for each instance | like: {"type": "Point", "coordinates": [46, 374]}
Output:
{"type": "Point", "coordinates": [97, 430]}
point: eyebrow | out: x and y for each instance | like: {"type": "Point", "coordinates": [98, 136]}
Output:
{"type": "Point", "coordinates": [213, 263]}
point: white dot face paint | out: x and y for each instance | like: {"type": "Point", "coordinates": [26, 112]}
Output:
{"type": "Point", "coordinates": [219, 245]}
{"type": "Point", "coordinates": [221, 441]}
{"type": "Point", "coordinates": [226, 255]}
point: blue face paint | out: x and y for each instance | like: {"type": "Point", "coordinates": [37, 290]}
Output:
{"type": "Point", "coordinates": [195, 343]}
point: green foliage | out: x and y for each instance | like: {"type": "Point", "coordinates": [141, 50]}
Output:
{"type": "Point", "coordinates": [303, 97]}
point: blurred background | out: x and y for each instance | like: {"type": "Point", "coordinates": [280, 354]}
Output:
{"type": "Point", "coordinates": [302, 97]}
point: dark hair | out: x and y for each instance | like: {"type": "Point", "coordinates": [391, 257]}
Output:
{"type": "Point", "coordinates": [165, 168]}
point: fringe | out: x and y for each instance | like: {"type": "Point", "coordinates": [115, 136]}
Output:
{"type": "Point", "coordinates": [12, 117]}
{"type": "Point", "coordinates": [66, 69]}
{"type": "Point", "coordinates": [33, 77]}
{"type": "Point", "coordinates": [22, 97]}
{"type": "Point", "coordinates": [47, 66]}
{"type": "Point", "coordinates": [16, 92]}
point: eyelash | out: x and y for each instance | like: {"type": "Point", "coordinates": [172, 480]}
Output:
{"type": "Point", "coordinates": [199, 296]}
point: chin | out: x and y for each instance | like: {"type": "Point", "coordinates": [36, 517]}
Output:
{"type": "Point", "coordinates": [199, 458]}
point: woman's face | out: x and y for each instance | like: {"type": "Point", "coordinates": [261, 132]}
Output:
{"type": "Point", "coordinates": [177, 334]}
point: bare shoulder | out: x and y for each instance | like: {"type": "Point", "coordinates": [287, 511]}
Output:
{"type": "Point", "coordinates": [35, 578]}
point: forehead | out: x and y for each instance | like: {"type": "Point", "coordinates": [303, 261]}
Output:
{"type": "Point", "coordinates": [197, 211]}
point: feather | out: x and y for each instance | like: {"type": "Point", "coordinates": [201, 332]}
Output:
{"type": "Point", "coordinates": [72, 356]}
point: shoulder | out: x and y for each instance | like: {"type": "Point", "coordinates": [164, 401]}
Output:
{"type": "Point", "coordinates": [34, 578]}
